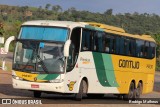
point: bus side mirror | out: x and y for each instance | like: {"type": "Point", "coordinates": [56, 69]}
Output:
{"type": "Point", "coordinates": [7, 43]}
{"type": "Point", "coordinates": [66, 48]}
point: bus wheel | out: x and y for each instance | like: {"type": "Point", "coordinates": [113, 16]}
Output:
{"type": "Point", "coordinates": [37, 94]}
{"type": "Point", "coordinates": [82, 90]}
{"type": "Point", "coordinates": [139, 90]}
{"type": "Point", "coordinates": [131, 93]}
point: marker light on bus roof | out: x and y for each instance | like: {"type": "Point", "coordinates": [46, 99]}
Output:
{"type": "Point", "coordinates": [45, 24]}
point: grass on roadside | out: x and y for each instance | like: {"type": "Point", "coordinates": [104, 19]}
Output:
{"type": "Point", "coordinates": [8, 66]}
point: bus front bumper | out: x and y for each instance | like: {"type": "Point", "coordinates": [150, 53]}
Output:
{"type": "Point", "coordinates": [50, 87]}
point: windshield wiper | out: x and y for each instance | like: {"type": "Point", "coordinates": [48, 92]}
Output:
{"type": "Point", "coordinates": [42, 63]}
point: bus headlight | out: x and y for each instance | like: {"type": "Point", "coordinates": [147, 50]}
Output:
{"type": "Point", "coordinates": [56, 81]}
{"type": "Point", "coordinates": [16, 77]}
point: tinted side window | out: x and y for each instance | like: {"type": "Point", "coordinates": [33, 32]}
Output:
{"type": "Point", "coordinates": [117, 45]}
{"type": "Point", "coordinates": [139, 48]}
{"type": "Point", "coordinates": [112, 45]}
{"type": "Point", "coordinates": [92, 38]}
{"type": "Point", "coordinates": [127, 44]}
{"type": "Point", "coordinates": [146, 50]}
{"type": "Point", "coordinates": [132, 47]}
{"type": "Point", "coordinates": [86, 40]}
{"type": "Point", "coordinates": [107, 42]}
{"type": "Point", "coordinates": [121, 46]}
{"type": "Point", "coordinates": [152, 50]}
{"type": "Point", "coordinates": [98, 45]}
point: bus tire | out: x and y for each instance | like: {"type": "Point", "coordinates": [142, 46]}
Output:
{"type": "Point", "coordinates": [131, 93]}
{"type": "Point", "coordinates": [82, 90]}
{"type": "Point", "coordinates": [139, 90]}
{"type": "Point", "coordinates": [37, 94]}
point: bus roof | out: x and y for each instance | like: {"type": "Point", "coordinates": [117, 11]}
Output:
{"type": "Point", "coordinates": [107, 27]}
{"type": "Point", "coordinates": [68, 24]}
{"type": "Point", "coordinates": [120, 31]}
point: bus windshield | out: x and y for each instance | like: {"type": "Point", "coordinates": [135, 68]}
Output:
{"type": "Point", "coordinates": [40, 49]}
{"type": "Point", "coordinates": [38, 56]}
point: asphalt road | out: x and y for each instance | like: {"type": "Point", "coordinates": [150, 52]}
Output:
{"type": "Point", "coordinates": [8, 56]}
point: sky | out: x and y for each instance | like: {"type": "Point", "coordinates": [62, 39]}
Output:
{"type": "Point", "coordinates": [118, 6]}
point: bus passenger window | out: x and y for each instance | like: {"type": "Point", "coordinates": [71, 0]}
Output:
{"type": "Point", "coordinates": [121, 45]}
{"type": "Point", "coordinates": [117, 45]}
{"type": "Point", "coordinates": [112, 45]}
{"type": "Point", "coordinates": [100, 42]}
{"type": "Point", "coordinates": [95, 46]}
{"type": "Point", "coordinates": [92, 40]}
{"type": "Point", "coordinates": [98, 46]}
{"type": "Point", "coordinates": [146, 50]}
{"type": "Point", "coordinates": [152, 50]}
{"type": "Point", "coordinates": [127, 49]}
{"type": "Point", "coordinates": [139, 48]}
{"type": "Point", "coordinates": [106, 44]}
{"type": "Point", "coordinates": [132, 47]}
{"type": "Point", "coordinates": [107, 48]}
{"type": "Point", "coordinates": [86, 45]}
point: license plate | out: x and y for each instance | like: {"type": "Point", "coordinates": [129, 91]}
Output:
{"type": "Point", "coordinates": [34, 86]}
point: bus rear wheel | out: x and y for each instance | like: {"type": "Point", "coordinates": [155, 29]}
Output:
{"type": "Point", "coordinates": [82, 90]}
{"type": "Point", "coordinates": [139, 90]}
{"type": "Point", "coordinates": [37, 94]}
{"type": "Point", "coordinates": [132, 92]}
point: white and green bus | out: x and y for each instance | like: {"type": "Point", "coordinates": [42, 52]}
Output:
{"type": "Point", "coordinates": [82, 58]}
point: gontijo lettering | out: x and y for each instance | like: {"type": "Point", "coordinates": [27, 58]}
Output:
{"type": "Point", "coordinates": [129, 64]}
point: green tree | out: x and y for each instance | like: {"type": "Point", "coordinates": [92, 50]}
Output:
{"type": "Point", "coordinates": [47, 6]}
{"type": "Point", "coordinates": [108, 12]}
{"type": "Point", "coordinates": [57, 8]}
{"type": "Point", "coordinates": [1, 29]}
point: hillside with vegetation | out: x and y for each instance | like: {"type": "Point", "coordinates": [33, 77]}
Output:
{"type": "Point", "coordinates": [11, 18]}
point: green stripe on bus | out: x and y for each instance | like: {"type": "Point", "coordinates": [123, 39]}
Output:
{"type": "Point", "coordinates": [47, 76]}
{"type": "Point", "coordinates": [109, 70]}
{"type": "Point", "coordinates": [100, 69]}
{"type": "Point", "coordinates": [41, 76]}
{"type": "Point", "coordinates": [104, 69]}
